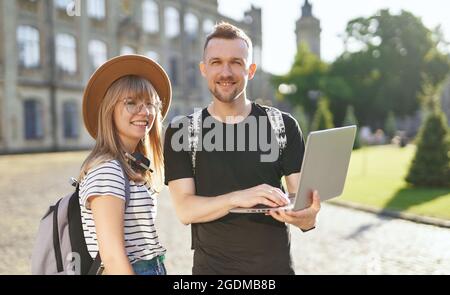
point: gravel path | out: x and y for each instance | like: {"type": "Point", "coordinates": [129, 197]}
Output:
{"type": "Point", "coordinates": [345, 241]}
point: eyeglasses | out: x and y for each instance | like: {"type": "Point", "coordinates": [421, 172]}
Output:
{"type": "Point", "coordinates": [134, 106]}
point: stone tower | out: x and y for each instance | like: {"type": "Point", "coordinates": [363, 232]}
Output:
{"type": "Point", "coordinates": [308, 29]}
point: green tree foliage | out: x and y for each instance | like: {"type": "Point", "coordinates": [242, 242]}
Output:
{"type": "Point", "coordinates": [350, 119]}
{"type": "Point", "coordinates": [306, 74]}
{"type": "Point", "coordinates": [390, 126]}
{"type": "Point", "coordinates": [323, 118]}
{"type": "Point", "coordinates": [302, 119]}
{"type": "Point", "coordinates": [394, 55]}
{"type": "Point", "coordinates": [431, 163]}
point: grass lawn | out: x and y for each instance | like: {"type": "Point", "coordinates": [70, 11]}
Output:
{"type": "Point", "coordinates": [376, 178]}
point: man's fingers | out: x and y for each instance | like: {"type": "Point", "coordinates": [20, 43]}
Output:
{"type": "Point", "coordinates": [271, 195]}
{"type": "Point", "coordinates": [300, 213]}
{"type": "Point", "coordinates": [279, 194]}
{"type": "Point", "coordinates": [284, 216]}
{"type": "Point", "coordinates": [315, 200]}
{"type": "Point", "coordinates": [276, 215]}
{"type": "Point", "coordinates": [267, 202]}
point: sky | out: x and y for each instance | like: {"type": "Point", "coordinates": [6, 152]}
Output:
{"type": "Point", "coordinates": [280, 16]}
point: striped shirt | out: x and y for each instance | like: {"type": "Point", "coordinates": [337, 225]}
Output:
{"type": "Point", "coordinates": [141, 239]}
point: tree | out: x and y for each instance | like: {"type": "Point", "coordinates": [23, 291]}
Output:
{"type": "Point", "coordinates": [306, 75]}
{"type": "Point", "coordinates": [350, 119]}
{"type": "Point", "coordinates": [323, 118]}
{"type": "Point", "coordinates": [302, 119]}
{"type": "Point", "coordinates": [431, 163]}
{"type": "Point", "coordinates": [394, 55]}
{"type": "Point", "coordinates": [390, 126]}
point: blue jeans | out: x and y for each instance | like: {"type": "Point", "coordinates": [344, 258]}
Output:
{"type": "Point", "coordinates": [155, 266]}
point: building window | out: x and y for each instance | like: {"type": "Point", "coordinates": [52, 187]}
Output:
{"type": "Point", "coordinates": [208, 26]}
{"type": "Point", "coordinates": [97, 53]}
{"type": "Point", "coordinates": [153, 55]}
{"type": "Point", "coordinates": [172, 22]}
{"type": "Point", "coordinates": [127, 50]}
{"type": "Point", "coordinates": [28, 45]}
{"type": "Point", "coordinates": [191, 25]}
{"type": "Point", "coordinates": [63, 4]}
{"type": "Point", "coordinates": [66, 55]}
{"type": "Point", "coordinates": [173, 70]}
{"type": "Point", "coordinates": [33, 119]}
{"type": "Point", "coordinates": [150, 17]}
{"type": "Point", "coordinates": [96, 9]}
{"type": "Point", "coordinates": [70, 115]}
{"type": "Point", "coordinates": [192, 74]}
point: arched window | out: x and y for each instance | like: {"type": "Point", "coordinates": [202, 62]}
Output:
{"type": "Point", "coordinates": [63, 4]}
{"type": "Point", "coordinates": [33, 119]}
{"type": "Point", "coordinates": [97, 53]}
{"type": "Point", "coordinates": [192, 72]}
{"type": "Point", "coordinates": [96, 9]}
{"type": "Point", "coordinates": [172, 22]}
{"type": "Point", "coordinates": [28, 46]}
{"type": "Point", "coordinates": [150, 16]}
{"type": "Point", "coordinates": [191, 25]}
{"type": "Point", "coordinates": [66, 55]}
{"type": "Point", "coordinates": [70, 117]}
{"type": "Point", "coordinates": [208, 26]}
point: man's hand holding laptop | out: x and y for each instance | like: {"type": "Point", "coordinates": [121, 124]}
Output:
{"type": "Point", "coordinates": [270, 196]}
{"type": "Point", "coordinates": [260, 194]}
{"type": "Point", "coordinates": [304, 219]}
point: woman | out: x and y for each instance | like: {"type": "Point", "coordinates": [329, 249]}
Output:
{"type": "Point", "coordinates": [123, 106]}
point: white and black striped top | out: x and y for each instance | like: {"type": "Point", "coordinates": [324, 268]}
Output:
{"type": "Point", "coordinates": [141, 239]}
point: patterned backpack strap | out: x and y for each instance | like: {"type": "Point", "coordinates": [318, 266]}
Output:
{"type": "Point", "coordinates": [277, 124]}
{"type": "Point", "coordinates": [194, 134]}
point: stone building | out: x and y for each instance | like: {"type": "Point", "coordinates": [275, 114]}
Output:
{"type": "Point", "coordinates": [49, 49]}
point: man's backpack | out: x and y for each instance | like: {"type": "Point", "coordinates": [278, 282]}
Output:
{"type": "Point", "coordinates": [276, 122]}
{"type": "Point", "coordinates": [60, 247]}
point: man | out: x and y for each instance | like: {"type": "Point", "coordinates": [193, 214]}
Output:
{"type": "Point", "coordinates": [204, 188]}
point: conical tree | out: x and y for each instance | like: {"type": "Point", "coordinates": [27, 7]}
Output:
{"type": "Point", "coordinates": [323, 118]}
{"type": "Point", "coordinates": [350, 119]}
{"type": "Point", "coordinates": [431, 163]}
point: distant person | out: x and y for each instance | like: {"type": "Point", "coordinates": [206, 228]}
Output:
{"type": "Point", "coordinates": [123, 106]}
{"type": "Point", "coordinates": [379, 137]}
{"type": "Point", "coordinates": [206, 184]}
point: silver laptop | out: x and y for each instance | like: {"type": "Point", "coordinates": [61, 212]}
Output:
{"type": "Point", "coordinates": [325, 165]}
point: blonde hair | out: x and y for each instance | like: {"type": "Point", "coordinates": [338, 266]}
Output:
{"type": "Point", "coordinates": [108, 145]}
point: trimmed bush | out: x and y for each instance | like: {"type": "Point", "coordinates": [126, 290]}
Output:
{"type": "Point", "coordinates": [431, 164]}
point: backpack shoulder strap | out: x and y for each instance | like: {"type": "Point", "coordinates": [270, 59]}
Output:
{"type": "Point", "coordinates": [195, 122]}
{"type": "Point", "coordinates": [276, 122]}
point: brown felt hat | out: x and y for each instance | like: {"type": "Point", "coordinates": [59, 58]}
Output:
{"type": "Point", "coordinates": [114, 69]}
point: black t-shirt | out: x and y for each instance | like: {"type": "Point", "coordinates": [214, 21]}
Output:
{"type": "Point", "coordinates": [238, 243]}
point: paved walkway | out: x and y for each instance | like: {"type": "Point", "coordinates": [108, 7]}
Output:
{"type": "Point", "coordinates": [345, 241]}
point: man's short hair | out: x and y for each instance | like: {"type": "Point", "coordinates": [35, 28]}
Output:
{"type": "Point", "coordinates": [224, 30]}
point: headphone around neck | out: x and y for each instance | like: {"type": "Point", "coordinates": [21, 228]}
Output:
{"type": "Point", "coordinates": [139, 162]}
